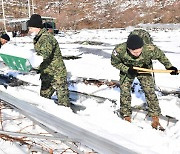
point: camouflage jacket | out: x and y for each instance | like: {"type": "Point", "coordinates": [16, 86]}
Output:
{"type": "Point", "coordinates": [122, 60]}
{"type": "Point", "coordinates": [47, 46]}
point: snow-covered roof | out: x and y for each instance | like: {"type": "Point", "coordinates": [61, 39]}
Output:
{"type": "Point", "coordinates": [20, 20]}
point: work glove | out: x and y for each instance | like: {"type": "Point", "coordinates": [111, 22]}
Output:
{"type": "Point", "coordinates": [175, 70]}
{"type": "Point", "coordinates": [132, 72]}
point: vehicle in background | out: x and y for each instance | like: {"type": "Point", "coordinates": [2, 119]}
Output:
{"type": "Point", "coordinates": [19, 27]}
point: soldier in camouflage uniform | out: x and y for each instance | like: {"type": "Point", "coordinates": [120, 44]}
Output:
{"type": "Point", "coordinates": [52, 69]}
{"type": "Point", "coordinates": [140, 53]}
{"type": "Point", "coordinates": [147, 39]}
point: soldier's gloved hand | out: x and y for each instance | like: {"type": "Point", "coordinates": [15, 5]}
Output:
{"type": "Point", "coordinates": [175, 70]}
{"type": "Point", "coordinates": [132, 71]}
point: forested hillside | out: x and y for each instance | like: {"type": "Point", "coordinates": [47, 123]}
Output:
{"type": "Point", "coordinates": [78, 14]}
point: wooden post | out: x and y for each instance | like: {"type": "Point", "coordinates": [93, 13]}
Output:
{"type": "Point", "coordinates": [4, 18]}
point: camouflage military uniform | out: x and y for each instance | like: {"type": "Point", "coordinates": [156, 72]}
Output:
{"type": "Point", "coordinates": [143, 34]}
{"type": "Point", "coordinates": [122, 60]}
{"type": "Point", "coordinates": [52, 69]}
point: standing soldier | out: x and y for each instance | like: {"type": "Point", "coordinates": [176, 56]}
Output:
{"type": "Point", "coordinates": [138, 52]}
{"type": "Point", "coordinates": [147, 39]}
{"type": "Point", "coordinates": [48, 27]}
{"type": "Point", "coordinates": [52, 69]}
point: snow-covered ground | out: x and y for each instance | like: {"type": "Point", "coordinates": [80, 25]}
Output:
{"type": "Point", "coordinates": [95, 63]}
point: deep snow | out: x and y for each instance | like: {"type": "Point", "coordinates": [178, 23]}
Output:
{"type": "Point", "coordinates": [95, 63]}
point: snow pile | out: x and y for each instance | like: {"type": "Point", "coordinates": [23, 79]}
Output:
{"type": "Point", "coordinates": [19, 51]}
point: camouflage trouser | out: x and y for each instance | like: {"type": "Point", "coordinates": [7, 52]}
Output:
{"type": "Point", "coordinates": [50, 84]}
{"type": "Point", "coordinates": [147, 84]}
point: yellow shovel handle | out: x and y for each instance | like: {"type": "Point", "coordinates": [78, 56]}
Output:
{"type": "Point", "coordinates": [145, 70]}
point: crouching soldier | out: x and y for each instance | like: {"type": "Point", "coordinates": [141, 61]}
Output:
{"type": "Point", "coordinates": [139, 52]}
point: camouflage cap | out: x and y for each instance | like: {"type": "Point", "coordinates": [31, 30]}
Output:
{"type": "Point", "coordinates": [143, 34]}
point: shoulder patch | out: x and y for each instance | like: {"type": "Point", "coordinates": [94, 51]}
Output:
{"type": "Point", "coordinates": [114, 52]}
{"type": "Point", "coordinates": [120, 49]}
